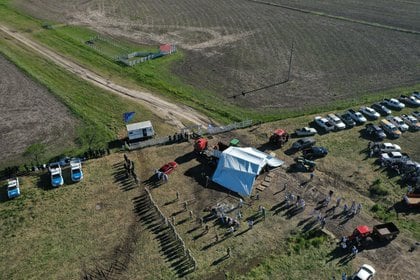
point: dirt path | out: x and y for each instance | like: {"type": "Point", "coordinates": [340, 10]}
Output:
{"type": "Point", "coordinates": [174, 113]}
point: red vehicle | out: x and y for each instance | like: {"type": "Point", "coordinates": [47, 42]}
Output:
{"type": "Point", "coordinates": [169, 167]}
{"type": "Point", "coordinates": [200, 145]}
{"type": "Point", "coordinates": [382, 232]}
{"type": "Point", "coordinates": [279, 137]}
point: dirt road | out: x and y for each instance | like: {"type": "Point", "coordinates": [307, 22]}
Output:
{"type": "Point", "coordinates": [174, 113]}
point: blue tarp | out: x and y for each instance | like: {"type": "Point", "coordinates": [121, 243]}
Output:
{"type": "Point", "coordinates": [238, 167]}
{"type": "Point", "coordinates": [128, 116]}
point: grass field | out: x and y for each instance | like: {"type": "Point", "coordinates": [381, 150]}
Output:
{"type": "Point", "coordinates": [243, 45]}
{"type": "Point", "coordinates": [94, 108]}
{"type": "Point", "coordinates": [158, 75]}
{"type": "Point", "coordinates": [276, 248]}
{"type": "Point", "coordinates": [91, 226]}
{"type": "Point", "coordinates": [47, 230]}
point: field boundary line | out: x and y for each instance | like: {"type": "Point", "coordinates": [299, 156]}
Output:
{"type": "Point", "coordinates": [321, 14]}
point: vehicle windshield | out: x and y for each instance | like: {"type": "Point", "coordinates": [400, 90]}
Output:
{"type": "Point", "coordinates": [394, 128]}
{"type": "Point", "coordinates": [76, 171]}
{"type": "Point", "coordinates": [56, 176]}
{"type": "Point", "coordinates": [370, 272]}
{"type": "Point", "coordinates": [11, 188]}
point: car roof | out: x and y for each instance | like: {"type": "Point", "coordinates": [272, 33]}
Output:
{"type": "Point", "coordinates": [369, 267]}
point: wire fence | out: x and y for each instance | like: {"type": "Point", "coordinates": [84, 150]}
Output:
{"type": "Point", "coordinates": [186, 133]}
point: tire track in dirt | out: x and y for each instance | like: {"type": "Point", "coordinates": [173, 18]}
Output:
{"type": "Point", "coordinates": [173, 112]}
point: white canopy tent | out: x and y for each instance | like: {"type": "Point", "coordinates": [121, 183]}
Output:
{"type": "Point", "coordinates": [238, 168]}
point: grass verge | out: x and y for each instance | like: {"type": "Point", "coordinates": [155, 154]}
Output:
{"type": "Point", "coordinates": [97, 109]}
{"type": "Point", "coordinates": [156, 75]}
{"type": "Point", "coordinates": [308, 254]}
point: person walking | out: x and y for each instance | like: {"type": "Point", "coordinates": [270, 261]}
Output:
{"type": "Point", "coordinates": [337, 204]}
{"type": "Point", "coordinates": [354, 251]}
{"type": "Point", "coordinates": [323, 222]}
{"type": "Point", "coordinates": [359, 208]}
{"type": "Point", "coordinates": [345, 209]}
{"type": "Point", "coordinates": [311, 176]}
{"type": "Point", "coordinates": [240, 203]}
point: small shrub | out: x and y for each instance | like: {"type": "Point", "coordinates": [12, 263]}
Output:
{"type": "Point", "coordinates": [382, 213]}
{"type": "Point", "coordinates": [378, 190]}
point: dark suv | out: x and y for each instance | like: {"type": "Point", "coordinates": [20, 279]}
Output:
{"type": "Point", "coordinates": [303, 143]}
{"type": "Point", "coordinates": [315, 152]}
{"type": "Point", "coordinates": [381, 109]}
{"type": "Point", "coordinates": [347, 120]}
{"type": "Point", "coordinates": [375, 132]}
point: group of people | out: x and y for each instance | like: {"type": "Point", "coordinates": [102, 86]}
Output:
{"type": "Point", "coordinates": [129, 169]}
{"type": "Point", "coordinates": [353, 210]}
{"type": "Point", "coordinates": [298, 201]}
{"type": "Point", "coordinates": [173, 234]}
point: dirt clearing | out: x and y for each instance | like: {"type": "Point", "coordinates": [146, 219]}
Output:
{"type": "Point", "coordinates": [29, 114]}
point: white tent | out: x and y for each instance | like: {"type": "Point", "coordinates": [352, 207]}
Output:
{"type": "Point", "coordinates": [238, 167]}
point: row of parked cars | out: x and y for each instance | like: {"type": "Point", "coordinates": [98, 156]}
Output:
{"type": "Point", "coordinates": [391, 156]}
{"type": "Point", "coordinates": [76, 173]}
{"type": "Point", "coordinates": [391, 124]}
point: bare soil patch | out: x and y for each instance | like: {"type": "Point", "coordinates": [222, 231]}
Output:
{"type": "Point", "coordinates": [29, 114]}
{"type": "Point", "coordinates": [235, 46]}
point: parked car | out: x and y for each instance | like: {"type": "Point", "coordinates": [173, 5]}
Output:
{"type": "Point", "coordinates": [398, 122]}
{"type": "Point", "coordinates": [410, 100]}
{"type": "Point", "coordinates": [336, 121]}
{"type": "Point", "coordinates": [13, 189]}
{"type": "Point", "coordinates": [365, 272]}
{"type": "Point", "coordinates": [392, 157]}
{"type": "Point", "coordinates": [315, 152]}
{"type": "Point", "coordinates": [416, 94]}
{"type": "Point", "coordinates": [389, 147]}
{"type": "Point", "coordinates": [76, 170]}
{"type": "Point", "coordinates": [324, 123]}
{"type": "Point", "coordinates": [411, 121]}
{"type": "Point", "coordinates": [303, 143]}
{"type": "Point", "coordinates": [305, 131]}
{"type": "Point", "coordinates": [56, 176]}
{"type": "Point", "coordinates": [375, 132]}
{"type": "Point", "coordinates": [393, 104]}
{"type": "Point", "coordinates": [347, 119]}
{"type": "Point", "coordinates": [381, 109]}
{"type": "Point", "coordinates": [169, 167]}
{"type": "Point", "coordinates": [416, 114]}
{"type": "Point", "coordinates": [390, 129]}
{"type": "Point", "coordinates": [357, 116]}
{"type": "Point", "coordinates": [370, 113]}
